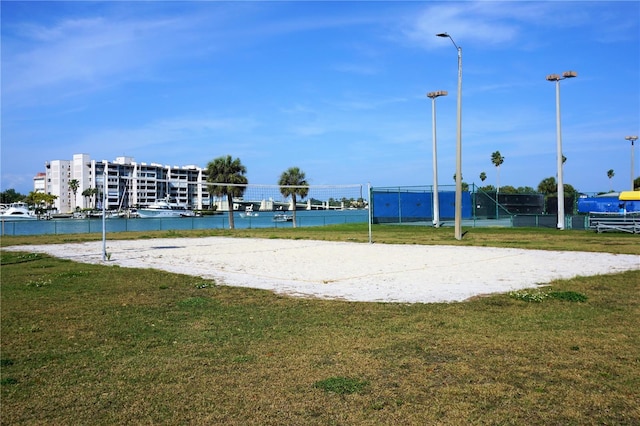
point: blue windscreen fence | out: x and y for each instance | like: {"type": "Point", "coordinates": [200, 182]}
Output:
{"type": "Point", "coordinates": [415, 204]}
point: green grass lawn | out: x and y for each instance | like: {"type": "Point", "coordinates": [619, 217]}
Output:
{"type": "Point", "coordinates": [94, 344]}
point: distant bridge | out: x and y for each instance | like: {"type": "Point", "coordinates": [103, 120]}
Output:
{"type": "Point", "coordinates": [240, 204]}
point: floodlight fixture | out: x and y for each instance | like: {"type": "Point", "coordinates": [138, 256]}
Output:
{"type": "Point", "coordinates": [434, 95]}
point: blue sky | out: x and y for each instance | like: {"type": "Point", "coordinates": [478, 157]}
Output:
{"type": "Point", "coordinates": [335, 88]}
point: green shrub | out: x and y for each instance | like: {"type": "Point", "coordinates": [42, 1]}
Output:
{"type": "Point", "coordinates": [569, 296]}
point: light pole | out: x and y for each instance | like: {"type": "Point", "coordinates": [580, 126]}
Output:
{"type": "Point", "coordinates": [632, 139]}
{"type": "Point", "coordinates": [436, 202]}
{"type": "Point", "coordinates": [104, 212]}
{"type": "Point", "coordinates": [458, 207]}
{"type": "Point", "coordinates": [557, 78]}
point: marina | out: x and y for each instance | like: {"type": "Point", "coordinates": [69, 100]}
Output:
{"type": "Point", "coordinates": [218, 221]}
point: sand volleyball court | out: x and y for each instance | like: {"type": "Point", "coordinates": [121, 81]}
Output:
{"type": "Point", "coordinates": [349, 271]}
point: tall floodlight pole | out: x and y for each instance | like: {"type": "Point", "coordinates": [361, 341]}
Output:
{"type": "Point", "coordinates": [458, 207]}
{"type": "Point", "coordinates": [104, 213]}
{"type": "Point", "coordinates": [632, 139]}
{"type": "Point", "coordinates": [557, 78]}
{"type": "Point", "coordinates": [436, 202]}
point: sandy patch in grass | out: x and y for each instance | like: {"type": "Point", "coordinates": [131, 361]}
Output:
{"type": "Point", "coordinates": [349, 271]}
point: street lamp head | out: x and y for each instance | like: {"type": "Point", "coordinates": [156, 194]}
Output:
{"type": "Point", "coordinates": [553, 77]}
{"type": "Point", "coordinates": [631, 138]}
{"type": "Point", "coordinates": [445, 35]}
{"type": "Point", "coordinates": [434, 95]}
{"type": "Point", "coordinates": [569, 74]}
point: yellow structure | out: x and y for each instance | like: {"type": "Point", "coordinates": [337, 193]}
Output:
{"type": "Point", "coordinates": [629, 196]}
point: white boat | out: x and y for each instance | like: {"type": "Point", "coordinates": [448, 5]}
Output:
{"type": "Point", "coordinates": [61, 215]}
{"type": "Point", "coordinates": [17, 211]}
{"type": "Point", "coordinates": [98, 214]}
{"type": "Point", "coordinates": [248, 212]}
{"type": "Point", "coordinates": [282, 217]}
{"type": "Point", "coordinates": [165, 208]}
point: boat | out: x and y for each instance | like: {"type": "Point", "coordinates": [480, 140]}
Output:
{"type": "Point", "coordinates": [61, 215]}
{"type": "Point", "coordinates": [248, 212]}
{"type": "Point", "coordinates": [17, 211]}
{"type": "Point", "coordinates": [97, 214]}
{"type": "Point", "coordinates": [165, 208]}
{"type": "Point", "coordinates": [282, 217]}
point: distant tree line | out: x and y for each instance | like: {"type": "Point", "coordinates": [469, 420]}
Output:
{"type": "Point", "coordinates": [11, 196]}
{"type": "Point", "coordinates": [548, 186]}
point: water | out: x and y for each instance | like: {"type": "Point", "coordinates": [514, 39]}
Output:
{"type": "Point", "coordinates": [221, 221]}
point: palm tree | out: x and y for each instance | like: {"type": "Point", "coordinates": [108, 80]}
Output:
{"type": "Point", "coordinates": [74, 184]}
{"type": "Point", "coordinates": [95, 192]}
{"type": "Point", "coordinates": [230, 171]}
{"type": "Point", "coordinates": [87, 193]}
{"type": "Point", "coordinates": [49, 199]}
{"type": "Point", "coordinates": [38, 199]}
{"type": "Point", "coordinates": [548, 186]}
{"type": "Point", "coordinates": [483, 176]}
{"type": "Point", "coordinates": [464, 185]}
{"type": "Point", "coordinates": [497, 159]}
{"type": "Point", "coordinates": [90, 193]}
{"type": "Point", "coordinates": [610, 175]}
{"type": "Point", "coordinates": [293, 183]}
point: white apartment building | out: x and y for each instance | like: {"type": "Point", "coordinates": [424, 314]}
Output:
{"type": "Point", "coordinates": [128, 183]}
{"type": "Point", "coordinates": [40, 182]}
{"type": "Point", "coordinates": [58, 174]}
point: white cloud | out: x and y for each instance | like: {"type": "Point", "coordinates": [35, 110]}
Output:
{"type": "Point", "coordinates": [182, 133]}
{"type": "Point", "coordinates": [464, 22]}
{"type": "Point", "coordinates": [489, 23]}
{"type": "Point", "coordinates": [47, 62]}
{"type": "Point", "coordinates": [81, 51]}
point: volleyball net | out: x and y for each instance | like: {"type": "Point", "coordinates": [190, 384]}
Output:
{"type": "Point", "coordinates": [261, 197]}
